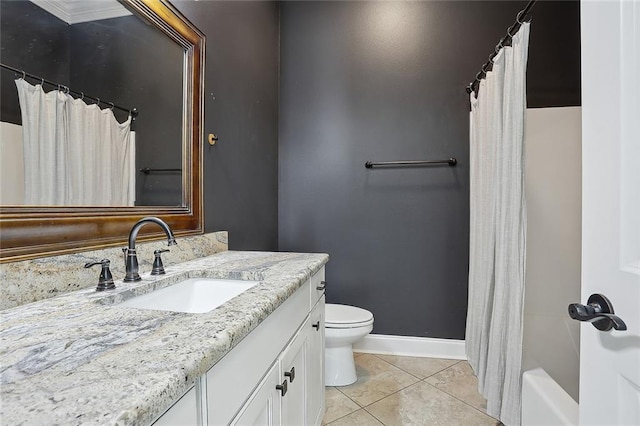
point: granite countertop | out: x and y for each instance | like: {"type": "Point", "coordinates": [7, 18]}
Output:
{"type": "Point", "coordinates": [80, 358]}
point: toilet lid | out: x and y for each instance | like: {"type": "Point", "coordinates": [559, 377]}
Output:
{"type": "Point", "coordinates": [344, 315]}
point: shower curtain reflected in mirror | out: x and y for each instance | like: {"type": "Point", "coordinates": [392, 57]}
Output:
{"type": "Point", "coordinates": [74, 153]}
{"type": "Point", "coordinates": [498, 231]}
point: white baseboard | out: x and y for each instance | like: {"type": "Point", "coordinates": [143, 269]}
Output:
{"type": "Point", "coordinates": [411, 346]}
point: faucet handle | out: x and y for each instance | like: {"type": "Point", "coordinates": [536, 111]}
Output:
{"type": "Point", "coordinates": [105, 281]}
{"type": "Point", "coordinates": [158, 267]}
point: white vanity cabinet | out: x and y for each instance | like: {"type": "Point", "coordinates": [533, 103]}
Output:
{"type": "Point", "coordinates": [286, 349]}
{"type": "Point", "coordinates": [274, 376]}
{"type": "Point", "coordinates": [280, 398]}
{"type": "Point", "coordinates": [292, 393]}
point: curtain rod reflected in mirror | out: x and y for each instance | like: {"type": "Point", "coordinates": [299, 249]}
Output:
{"type": "Point", "coordinates": [133, 112]}
{"type": "Point", "coordinates": [32, 231]}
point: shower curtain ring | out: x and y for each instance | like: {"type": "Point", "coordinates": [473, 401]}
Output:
{"type": "Point", "coordinates": [112, 106]}
{"type": "Point", "coordinates": [66, 90]}
{"type": "Point", "coordinates": [82, 98]}
{"type": "Point", "coordinates": [98, 102]}
{"type": "Point", "coordinates": [41, 81]}
{"type": "Point", "coordinates": [24, 75]}
{"type": "Point", "coordinates": [518, 16]}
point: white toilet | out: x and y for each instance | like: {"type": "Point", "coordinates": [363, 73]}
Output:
{"type": "Point", "coordinates": [344, 325]}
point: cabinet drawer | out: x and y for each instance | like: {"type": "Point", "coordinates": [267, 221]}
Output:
{"type": "Point", "coordinates": [317, 287]}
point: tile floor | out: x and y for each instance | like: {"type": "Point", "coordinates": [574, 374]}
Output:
{"type": "Point", "coordinates": [393, 390]}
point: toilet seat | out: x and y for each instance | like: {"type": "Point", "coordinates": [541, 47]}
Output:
{"type": "Point", "coordinates": [343, 316]}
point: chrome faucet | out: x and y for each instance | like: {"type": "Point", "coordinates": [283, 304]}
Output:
{"type": "Point", "coordinates": [131, 260]}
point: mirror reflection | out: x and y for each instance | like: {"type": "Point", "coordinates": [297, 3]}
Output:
{"type": "Point", "coordinates": [63, 147]}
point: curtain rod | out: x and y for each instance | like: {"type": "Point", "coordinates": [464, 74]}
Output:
{"type": "Point", "coordinates": [133, 112]}
{"type": "Point", "coordinates": [474, 86]}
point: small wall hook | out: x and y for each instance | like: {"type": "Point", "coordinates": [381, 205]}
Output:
{"type": "Point", "coordinates": [212, 139]}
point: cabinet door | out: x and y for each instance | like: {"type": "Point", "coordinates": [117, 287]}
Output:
{"type": "Point", "coordinates": [264, 406]}
{"type": "Point", "coordinates": [315, 364]}
{"type": "Point", "coordinates": [293, 367]}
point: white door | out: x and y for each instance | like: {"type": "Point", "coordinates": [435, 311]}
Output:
{"type": "Point", "coordinates": [610, 361]}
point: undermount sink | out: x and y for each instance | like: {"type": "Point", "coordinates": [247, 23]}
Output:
{"type": "Point", "coordinates": [194, 295]}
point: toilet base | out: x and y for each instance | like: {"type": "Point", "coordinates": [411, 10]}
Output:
{"type": "Point", "coordinates": [339, 366]}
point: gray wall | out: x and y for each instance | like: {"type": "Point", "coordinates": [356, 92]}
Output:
{"type": "Point", "coordinates": [241, 107]}
{"type": "Point", "coordinates": [385, 81]}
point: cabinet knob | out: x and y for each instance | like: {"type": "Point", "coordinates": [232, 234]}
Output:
{"type": "Point", "coordinates": [282, 388]}
{"type": "Point", "coordinates": [322, 286]}
{"type": "Point", "coordinates": [291, 374]}
{"type": "Point", "coordinates": [316, 326]}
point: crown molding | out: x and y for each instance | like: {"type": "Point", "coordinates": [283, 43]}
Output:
{"type": "Point", "coordinates": [75, 11]}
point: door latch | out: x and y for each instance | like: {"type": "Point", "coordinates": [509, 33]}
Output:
{"type": "Point", "coordinates": [599, 312]}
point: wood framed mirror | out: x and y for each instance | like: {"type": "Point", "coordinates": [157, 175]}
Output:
{"type": "Point", "coordinates": [30, 231]}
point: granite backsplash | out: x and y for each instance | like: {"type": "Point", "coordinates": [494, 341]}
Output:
{"type": "Point", "coordinates": [37, 279]}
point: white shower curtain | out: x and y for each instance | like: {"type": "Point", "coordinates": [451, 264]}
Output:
{"type": "Point", "coordinates": [44, 134]}
{"type": "Point", "coordinates": [498, 231]}
{"type": "Point", "coordinates": [99, 147]}
{"type": "Point", "coordinates": [74, 153]}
